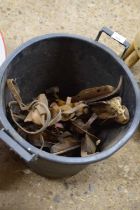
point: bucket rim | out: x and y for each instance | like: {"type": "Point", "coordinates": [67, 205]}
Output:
{"type": "Point", "coordinates": [61, 159]}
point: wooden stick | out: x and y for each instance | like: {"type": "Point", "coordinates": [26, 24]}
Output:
{"type": "Point", "coordinates": [131, 59]}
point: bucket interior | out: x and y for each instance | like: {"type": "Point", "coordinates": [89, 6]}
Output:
{"type": "Point", "coordinates": [72, 64]}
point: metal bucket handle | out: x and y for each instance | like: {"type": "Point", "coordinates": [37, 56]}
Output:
{"type": "Point", "coordinates": [114, 35]}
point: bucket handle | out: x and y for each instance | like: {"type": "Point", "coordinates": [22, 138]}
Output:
{"type": "Point", "coordinates": [4, 136]}
{"type": "Point", "coordinates": [16, 147]}
{"type": "Point", "coordinates": [114, 35]}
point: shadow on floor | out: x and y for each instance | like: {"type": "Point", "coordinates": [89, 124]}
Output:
{"type": "Point", "coordinates": [10, 167]}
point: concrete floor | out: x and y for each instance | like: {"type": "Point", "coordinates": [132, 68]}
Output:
{"type": "Point", "coordinates": [111, 184]}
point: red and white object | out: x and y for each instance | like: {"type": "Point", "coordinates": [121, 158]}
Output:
{"type": "Point", "coordinates": [2, 49]}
